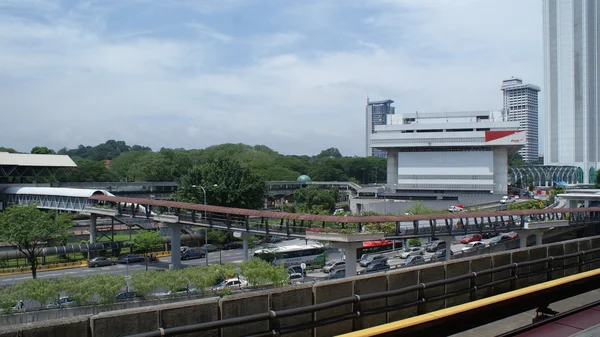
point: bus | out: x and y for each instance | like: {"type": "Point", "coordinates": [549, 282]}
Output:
{"type": "Point", "coordinates": [313, 255]}
{"type": "Point", "coordinates": [372, 247]}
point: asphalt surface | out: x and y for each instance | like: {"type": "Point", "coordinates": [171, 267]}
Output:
{"type": "Point", "coordinates": [225, 256]}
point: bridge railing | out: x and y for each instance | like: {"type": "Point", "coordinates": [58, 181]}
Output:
{"type": "Point", "coordinates": [295, 225]}
{"type": "Point", "coordinates": [514, 271]}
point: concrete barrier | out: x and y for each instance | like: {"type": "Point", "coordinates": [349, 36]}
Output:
{"type": "Point", "coordinates": [130, 321]}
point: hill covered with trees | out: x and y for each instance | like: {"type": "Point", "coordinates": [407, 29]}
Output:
{"type": "Point", "coordinates": [140, 163]}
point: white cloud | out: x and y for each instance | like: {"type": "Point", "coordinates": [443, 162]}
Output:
{"type": "Point", "coordinates": [68, 82]}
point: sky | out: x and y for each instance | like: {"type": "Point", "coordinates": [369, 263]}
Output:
{"type": "Point", "coordinates": [293, 75]}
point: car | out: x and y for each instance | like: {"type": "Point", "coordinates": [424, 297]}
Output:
{"type": "Point", "coordinates": [512, 235]}
{"type": "Point", "coordinates": [193, 253]}
{"type": "Point", "coordinates": [232, 245]}
{"type": "Point", "coordinates": [507, 199]}
{"type": "Point", "coordinates": [435, 246]}
{"type": "Point", "coordinates": [377, 266]}
{"type": "Point", "coordinates": [472, 246]}
{"type": "Point", "coordinates": [273, 239]}
{"type": "Point", "coordinates": [413, 260]}
{"type": "Point", "coordinates": [470, 238]}
{"type": "Point", "coordinates": [456, 208]}
{"type": "Point", "coordinates": [63, 301]}
{"type": "Point", "coordinates": [440, 255]}
{"type": "Point", "coordinates": [489, 235]}
{"type": "Point", "coordinates": [100, 262]}
{"type": "Point", "coordinates": [334, 265]}
{"type": "Point", "coordinates": [500, 239]}
{"type": "Point", "coordinates": [339, 273]}
{"type": "Point", "coordinates": [130, 258]}
{"type": "Point", "coordinates": [296, 278]}
{"type": "Point", "coordinates": [232, 283]}
{"type": "Point", "coordinates": [296, 270]}
{"type": "Point", "coordinates": [367, 260]}
{"type": "Point", "coordinates": [411, 251]}
{"type": "Point", "coordinates": [128, 295]}
{"type": "Point", "coordinates": [210, 247]}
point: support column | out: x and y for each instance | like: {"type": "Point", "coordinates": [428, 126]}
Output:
{"type": "Point", "coordinates": [175, 244]}
{"type": "Point", "coordinates": [448, 240]}
{"type": "Point", "coordinates": [350, 252]}
{"type": "Point", "coordinates": [523, 235]}
{"type": "Point", "coordinates": [392, 168]}
{"type": "Point", "coordinates": [245, 236]}
{"type": "Point", "coordinates": [93, 218]}
{"type": "Point", "coordinates": [539, 235]}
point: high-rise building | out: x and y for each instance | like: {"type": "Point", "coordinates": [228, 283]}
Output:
{"type": "Point", "coordinates": [521, 105]}
{"type": "Point", "coordinates": [572, 88]}
{"type": "Point", "coordinates": [376, 114]}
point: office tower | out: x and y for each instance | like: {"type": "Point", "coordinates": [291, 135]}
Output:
{"type": "Point", "coordinates": [521, 105]}
{"type": "Point", "coordinates": [572, 91]}
{"type": "Point", "coordinates": [376, 114]}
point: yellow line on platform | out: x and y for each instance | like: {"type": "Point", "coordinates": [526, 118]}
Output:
{"type": "Point", "coordinates": [417, 320]}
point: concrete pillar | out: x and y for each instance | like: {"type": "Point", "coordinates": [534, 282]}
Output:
{"type": "Point", "coordinates": [523, 235]}
{"type": "Point", "coordinates": [350, 252]}
{"type": "Point", "coordinates": [93, 218]}
{"type": "Point", "coordinates": [539, 235]}
{"type": "Point", "coordinates": [448, 240]}
{"type": "Point", "coordinates": [245, 236]}
{"type": "Point", "coordinates": [175, 244]}
{"type": "Point", "coordinates": [392, 168]}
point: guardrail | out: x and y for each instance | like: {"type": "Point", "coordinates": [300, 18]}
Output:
{"type": "Point", "coordinates": [274, 317]}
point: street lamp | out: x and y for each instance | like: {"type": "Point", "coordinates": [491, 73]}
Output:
{"type": "Point", "coordinates": [205, 229]}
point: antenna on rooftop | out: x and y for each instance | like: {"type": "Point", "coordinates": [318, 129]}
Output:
{"type": "Point", "coordinates": [367, 99]}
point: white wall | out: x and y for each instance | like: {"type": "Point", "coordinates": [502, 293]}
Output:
{"type": "Point", "coordinates": [441, 170]}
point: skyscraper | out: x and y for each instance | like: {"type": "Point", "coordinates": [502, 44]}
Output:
{"type": "Point", "coordinates": [572, 91]}
{"type": "Point", "coordinates": [521, 105]}
{"type": "Point", "coordinates": [376, 114]}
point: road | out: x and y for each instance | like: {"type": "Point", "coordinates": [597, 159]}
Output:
{"type": "Point", "coordinates": [225, 256]}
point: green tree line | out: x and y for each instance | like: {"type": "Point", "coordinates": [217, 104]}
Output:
{"type": "Point", "coordinates": [140, 163]}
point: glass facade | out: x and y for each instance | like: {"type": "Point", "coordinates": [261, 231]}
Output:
{"type": "Point", "coordinates": [376, 114]}
{"type": "Point", "coordinates": [571, 71]}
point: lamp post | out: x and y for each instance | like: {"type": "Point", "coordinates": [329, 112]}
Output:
{"type": "Point", "coordinates": [205, 229]}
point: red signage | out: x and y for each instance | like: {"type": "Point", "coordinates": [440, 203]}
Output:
{"type": "Point", "coordinates": [493, 135]}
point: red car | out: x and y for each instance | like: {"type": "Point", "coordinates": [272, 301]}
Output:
{"type": "Point", "coordinates": [471, 238]}
{"type": "Point", "coordinates": [512, 235]}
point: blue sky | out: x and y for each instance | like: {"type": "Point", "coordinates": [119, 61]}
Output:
{"type": "Point", "coordinates": [293, 75]}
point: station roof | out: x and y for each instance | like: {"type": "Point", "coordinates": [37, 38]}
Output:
{"type": "Point", "coordinates": [38, 160]}
{"type": "Point", "coordinates": [55, 191]}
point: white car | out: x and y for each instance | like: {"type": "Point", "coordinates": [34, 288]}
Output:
{"type": "Point", "coordinates": [507, 200]}
{"type": "Point", "coordinates": [454, 209]}
{"type": "Point", "coordinates": [471, 246]}
{"type": "Point", "coordinates": [411, 251]}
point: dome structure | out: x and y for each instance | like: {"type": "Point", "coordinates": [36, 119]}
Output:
{"type": "Point", "coordinates": [304, 179]}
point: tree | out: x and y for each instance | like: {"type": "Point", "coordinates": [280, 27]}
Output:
{"type": "Point", "coordinates": [227, 183]}
{"type": "Point", "coordinates": [39, 290]}
{"type": "Point", "coordinates": [414, 242]}
{"type": "Point", "coordinates": [8, 149]}
{"type": "Point", "coordinates": [260, 273]}
{"type": "Point", "coordinates": [313, 199]}
{"type": "Point", "coordinates": [28, 228]}
{"type": "Point", "coordinates": [105, 287]}
{"type": "Point", "coordinates": [42, 150]}
{"type": "Point", "coordinates": [331, 152]}
{"type": "Point", "coordinates": [597, 182]}
{"type": "Point", "coordinates": [146, 241]}
{"type": "Point", "coordinates": [144, 282]}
